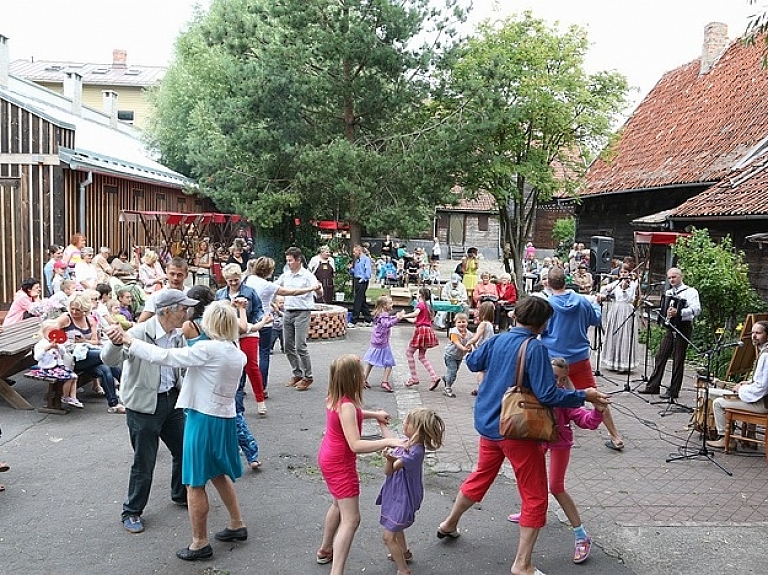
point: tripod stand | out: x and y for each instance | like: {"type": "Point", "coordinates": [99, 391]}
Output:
{"type": "Point", "coordinates": [672, 405]}
{"type": "Point", "coordinates": [703, 451]}
{"type": "Point", "coordinates": [627, 387]}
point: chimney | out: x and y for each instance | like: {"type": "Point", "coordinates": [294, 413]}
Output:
{"type": "Point", "coordinates": [73, 89]}
{"type": "Point", "coordinates": [119, 58]}
{"type": "Point", "coordinates": [109, 105]}
{"type": "Point", "coordinates": [715, 43]}
{"type": "Point", "coordinates": [5, 61]}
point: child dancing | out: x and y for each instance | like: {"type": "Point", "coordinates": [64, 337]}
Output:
{"type": "Point", "coordinates": [560, 454]}
{"type": "Point", "coordinates": [424, 337]}
{"type": "Point", "coordinates": [483, 333]}
{"type": "Point", "coordinates": [403, 491]}
{"type": "Point", "coordinates": [380, 352]}
{"type": "Point", "coordinates": [337, 457]}
{"type": "Point", "coordinates": [457, 348]}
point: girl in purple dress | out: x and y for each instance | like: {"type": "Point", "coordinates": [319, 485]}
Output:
{"type": "Point", "coordinates": [401, 495]}
{"type": "Point", "coordinates": [380, 353]}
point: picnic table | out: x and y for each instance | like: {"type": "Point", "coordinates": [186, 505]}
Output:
{"type": "Point", "coordinates": [16, 343]}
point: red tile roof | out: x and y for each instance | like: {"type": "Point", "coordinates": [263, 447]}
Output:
{"type": "Point", "coordinates": [690, 128]}
{"type": "Point", "coordinates": [483, 202]}
{"type": "Point", "coordinates": [744, 192]}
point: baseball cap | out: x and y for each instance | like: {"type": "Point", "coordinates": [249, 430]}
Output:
{"type": "Point", "coordinates": [169, 297]}
{"type": "Point", "coordinates": [455, 278]}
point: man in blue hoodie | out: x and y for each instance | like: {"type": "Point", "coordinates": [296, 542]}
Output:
{"type": "Point", "coordinates": [566, 336]}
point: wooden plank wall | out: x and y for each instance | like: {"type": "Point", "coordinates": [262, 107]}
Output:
{"type": "Point", "coordinates": [27, 195]}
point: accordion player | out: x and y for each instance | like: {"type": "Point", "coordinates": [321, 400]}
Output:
{"type": "Point", "coordinates": [675, 302]}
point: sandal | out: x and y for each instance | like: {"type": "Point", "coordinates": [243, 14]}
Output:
{"type": "Point", "coordinates": [615, 445]}
{"type": "Point", "coordinates": [4, 466]}
{"type": "Point", "coordinates": [324, 557]}
{"type": "Point", "coordinates": [116, 409]}
{"type": "Point", "coordinates": [435, 383]}
{"type": "Point", "coordinates": [581, 550]}
{"type": "Point", "coordinates": [411, 382]}
{"type": "Point", "coordinates": [473, 393]}
{"type": "Point", "coordinates": [98, 390]}
{"type": "Point", "coordinates": [254, 465]}
{"type": "Point", "coordinates": [514, 518]}
{"type": "Point", "coordinates": [2, 487]}
{"type": "Point", "coordinates": [386, 387]}
{"type": "Point", "coordinates": [367, 385]}
{"type": "Point", "coordinates": [407, 555]}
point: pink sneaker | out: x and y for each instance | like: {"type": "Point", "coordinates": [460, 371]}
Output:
{"type": "Point", "coordinates": [581, 550]}
{"type": "Point", "coordinates": [514, 518]}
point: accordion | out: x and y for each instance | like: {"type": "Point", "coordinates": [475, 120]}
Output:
{"type": "Point", "coordinates": [667, 302]}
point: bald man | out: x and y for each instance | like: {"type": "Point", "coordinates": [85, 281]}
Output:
{"type": "Point", "coordinates": [672, 343]}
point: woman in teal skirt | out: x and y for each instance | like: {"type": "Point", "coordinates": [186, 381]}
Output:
{"type": "Point", "coordinates": [211, 451]}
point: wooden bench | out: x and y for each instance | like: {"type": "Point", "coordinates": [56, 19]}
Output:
{"type": "Point", "coordinates": [748, 433]}
{"type": "Point", "coordinates": [16, 343]}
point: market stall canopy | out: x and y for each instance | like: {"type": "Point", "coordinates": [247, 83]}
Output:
{"type": "Point", "coordinates": [658, 238]}
{"type": "Point", "coordinates": [176, 218]}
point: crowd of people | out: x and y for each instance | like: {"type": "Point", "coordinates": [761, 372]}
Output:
{"type": "Point", "coordinates": [178, 369]}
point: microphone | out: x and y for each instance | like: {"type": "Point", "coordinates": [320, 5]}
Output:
{"type": "Point", "coordinates": [733, 344]}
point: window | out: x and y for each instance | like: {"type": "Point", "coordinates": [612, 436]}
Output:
{"type": "Point", "coordinates": [125, 116]}
{"type": "Point", "coordinates": [482, 222]}
{"type": "Point", "coordinates": [182, 202]}
{"type": "Point", "coordinates": [110, 189]}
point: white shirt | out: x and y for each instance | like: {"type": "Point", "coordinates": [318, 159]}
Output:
{"type": "Point", "coordinates": [165, 340]}
{"type": "Point", "coordinates": [301, 279]}
{"type": "Point", "coordinates": [86, 273]}
{"type": "Point", "coordinates": [692, 304]}
{"type": "Point", "coordinates": [266, 290]}
{"type": "Point", "coordinates": [757, 389]}
{"type": "Point", "coordinates": [213, 373]}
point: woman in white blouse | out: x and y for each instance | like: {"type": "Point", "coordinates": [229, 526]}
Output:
{"type": "Point", "coordinates": [211, 451]}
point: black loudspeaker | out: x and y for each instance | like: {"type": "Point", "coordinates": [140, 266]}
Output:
{"type": "Point", "coordinates": [600, 254]}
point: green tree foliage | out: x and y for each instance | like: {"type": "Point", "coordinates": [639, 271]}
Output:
{"type": "Point", "coordinates": [719, 273]}
{"type": "Point", "coordinates": [521, 112]}
{"type": "Point", "coordinates": [309, 108]}
{"type": "Point", "coordinates": [564, 231]}
{"type": "Point", "coordinates": [758, 29]}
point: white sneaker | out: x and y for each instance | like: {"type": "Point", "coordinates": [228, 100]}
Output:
{"type": "Point", "coordinates": [261, 407]}
{"type": "Point", "coordinates": [448, 392]}
{"type": "Point", "coordinates": [350, 324]}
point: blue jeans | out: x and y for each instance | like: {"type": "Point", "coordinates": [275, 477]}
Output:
{"type": "Point", "coordinates": [92, 365]}
{"type": "Point", "coordinates": [245, 439]}
{"type": "Point", "coordinates": [451, 369]}
{"type": "Point", "coordinates": [265, 349]}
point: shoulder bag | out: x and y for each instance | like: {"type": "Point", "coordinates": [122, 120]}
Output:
{"type": "Point", "coordinates": [522, 415]}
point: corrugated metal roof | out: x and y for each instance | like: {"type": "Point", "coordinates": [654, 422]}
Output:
{"type": "Point", "coordinates": [98, 146]}
{"type": "Point", "coordinates": [690, 128]}
{"type": "Point", "coordinates": [93, 74]}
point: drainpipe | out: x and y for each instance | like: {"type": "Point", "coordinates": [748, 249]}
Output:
{"type": "Point", "coordinates": [81, 202]}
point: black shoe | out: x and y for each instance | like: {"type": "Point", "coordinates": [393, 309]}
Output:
{"type": "Point", "coordinates": [188, 554]}
{"type": "Point", "coordinates": [667, 395]}
{"type": "Point", "coordinates": [228, 534]}
{"type": "Point", "coordinates": [649, 390]}
{"type": "Point", "coordinates": [180, 502]}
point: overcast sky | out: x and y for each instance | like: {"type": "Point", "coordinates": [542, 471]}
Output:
{"type": "Point", "coordinates": [640, 39]}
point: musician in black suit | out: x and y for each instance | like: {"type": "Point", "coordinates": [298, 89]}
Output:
{"type": "Point", "coordinates": [682, 307]}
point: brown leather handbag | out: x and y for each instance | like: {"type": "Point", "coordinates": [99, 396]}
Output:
{"type": "Point", "coordinates": [522, 415]}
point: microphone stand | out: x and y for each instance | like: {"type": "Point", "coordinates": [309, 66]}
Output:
{"type": "Point", "coordinates": [627, 387]}
{"type": "Point", "coordinates": [598, 342]}
{"type": "Point", "coordinates": [703, 451]}
{"type": "Point", "coordinates": [672, 405]}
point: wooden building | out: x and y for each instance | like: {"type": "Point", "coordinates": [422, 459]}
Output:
{"type": "Point", "coordinates": [65, 168]}
{"type": "Point", "coordinates": [691, 154]}
{"type": "Point", "coordinates": [472, 222]}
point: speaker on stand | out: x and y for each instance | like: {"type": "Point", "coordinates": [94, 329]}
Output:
{"type": "Point", "coordinates": [600, 254]}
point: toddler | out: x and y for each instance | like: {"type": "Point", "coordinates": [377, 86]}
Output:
{"type": "Point", "coordinates": [457, 348]}
{"type": "Point", "coordinates": [54, 363]}
{"type": "Point", "coordinates": [403, 490]}
{"type": "Point", "coordinates": [278, 310]}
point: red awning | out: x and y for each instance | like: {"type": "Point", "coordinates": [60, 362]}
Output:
{"type": "Point", "coordinates": [175, 218]}
{"type": "Point", "coordinates": [658, 238]}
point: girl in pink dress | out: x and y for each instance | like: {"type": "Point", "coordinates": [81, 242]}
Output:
{"type": "Point", "coordinates": [560, 454]}
{"type": "Point", "coordinates": [337, 457]}
{"type": "Point", "coordinates": [403, 490]}
{"type": "Point", "coordinates": [424, 337]}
